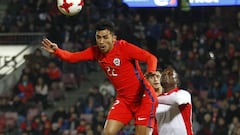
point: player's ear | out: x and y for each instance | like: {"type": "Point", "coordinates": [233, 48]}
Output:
{"type": "Point", "coordinates": [114, 38]}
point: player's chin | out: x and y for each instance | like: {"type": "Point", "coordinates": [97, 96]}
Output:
{"type": "Point", "coordinates": [103, 50]}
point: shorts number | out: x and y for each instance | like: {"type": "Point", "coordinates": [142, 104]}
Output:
{"type": "Point", "coordinates": [115, 103]}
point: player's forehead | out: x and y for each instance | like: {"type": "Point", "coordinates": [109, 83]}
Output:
{"type": "Point", "coordinates": [170, 73]}
{"type": "Point", "coordinates": [156, 74]}
{"type": "Point", "coordinates": [102, 33]}
{"type": "Point", "coordinates": [167, 71]}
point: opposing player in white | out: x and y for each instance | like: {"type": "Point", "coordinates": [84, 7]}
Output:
{"type": "Point", "coordinates": [174, 112]}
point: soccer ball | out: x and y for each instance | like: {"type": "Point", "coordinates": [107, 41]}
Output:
{"type": "Point", "coordinates": [70, 7]}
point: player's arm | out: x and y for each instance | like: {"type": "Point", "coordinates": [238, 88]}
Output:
{"type": "Point", "coordinates": [84, 55]}
{"type": "Point", "coordinates": [51, 47]}
{"type": "Point", "coordinates": [142, 55]}
{"type": "Point", "coordinates": [180, 97]}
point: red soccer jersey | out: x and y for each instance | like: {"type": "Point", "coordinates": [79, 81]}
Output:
{"type": "Point", "coordinates": [120, 66]}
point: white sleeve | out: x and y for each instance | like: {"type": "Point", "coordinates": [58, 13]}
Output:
{"type": "Point", "coordinates": [180, 97]}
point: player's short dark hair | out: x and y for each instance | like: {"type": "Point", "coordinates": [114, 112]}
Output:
{"type": "Point", "coordinates": [105, 24]}
{"type": "Point", "coordinates": [171, 73]}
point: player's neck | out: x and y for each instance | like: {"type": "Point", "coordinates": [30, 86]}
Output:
{"type": "Point", "coordinates": [158, 91]}
{"type": "Point", "coordinates": [170, 88]}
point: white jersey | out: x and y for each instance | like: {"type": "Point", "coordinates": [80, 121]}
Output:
{"type": "Point", "coordinates": [174, 113]}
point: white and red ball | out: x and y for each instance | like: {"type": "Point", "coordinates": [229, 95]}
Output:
{"type": "Point", "coordinates": [70, 7]}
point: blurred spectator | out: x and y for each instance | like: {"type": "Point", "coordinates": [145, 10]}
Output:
{"type": "Point", "coordinates": [163, 53]}
{"type": "Point", "coordinates": [46, 124]}
{"type": "Point", "coordinates": [232, 111]}
{"type": "Point", "coordinates": [2, 123]}
{"type": "Point", "coordinates": [54, 73]}
{"type": "Point", "coordinates": [94, 98]}
{"type": "Point", "coordinates": [230, 87]}
{"type": "Point", "coordinates": [106, 88]}
{"type": "Point", "coordinates": [25, 127]}
{"type": "Point", "coordinates": [216, 113]}
{"type": "Point", "coordinates": [220, 127]}
{"type": "Point", "coordinates": [36, 57]}
{"type": "Point", "coordinates": [214, 31]}
{"type": "Point", "coordinates": [25, 88]}
{"type": "Point", "coordinates": [123, 25]}
{"type": "Point", "coordinates": [235, 99]}
{"type": "Point", "coordinates": [81, 129]}
{"type": "Point", "coordinates": [35, 72]}
{"type": "Point", "coordinates": [42, 73]}
{"type": "Point", "coordinates": [63, 125]}
{"type": "Point", "coordinates": [98, 130]}
{"type": "Point", "coordinates": [214, 91]}
{"type": "Point", "coordinates": [79, 105]}
{"type": "Point", "coordinates": [14, 8]}
{"type": "Point", "coordinates": [195, 124]}
{"type": "Point", "coordinates": [90, 106]}
{"type": "Point", "coordinates": [168, 31]}
{"type": "Point", "coordinates": [36, 125]}
{"type": "Point", "coordinates": [98, 118]}
{"type": "Point", "coordinates": [41, 92]}
{"type": "Point", "coordinates": [153, 31]}
{"type": "Point", "coordinates": [206, 128]}
{"type": "Point", "coordinates": [234, 126]}
{"type": "Point", "coordinates": [73, 122]}
{"type": "Point", "coordinates": [28, 71]}
{"type": "Point", "coordinates": [139, 31]}
{"type": "Point", "coordinates": [59, 113]}
{"type": "Point", "coordinates": [121, 8]}
{"type": "Point", "coordinates": [90, 10]}
{"type": "Point", "coordinates": [55, 129]}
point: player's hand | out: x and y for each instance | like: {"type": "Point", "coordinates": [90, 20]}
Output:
{"type": "Point", "coordinates": [48, 45]}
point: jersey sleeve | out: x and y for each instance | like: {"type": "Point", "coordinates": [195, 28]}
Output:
{"type": "Point", "coordinates": [137, 53]}
{"type": "Point", "coordinates": [87, 54]}
{"type": "Point", "coordinates": [179, 98]}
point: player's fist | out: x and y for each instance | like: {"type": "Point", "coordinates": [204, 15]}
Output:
{"type": "Point", "coordinates": [48, 45]}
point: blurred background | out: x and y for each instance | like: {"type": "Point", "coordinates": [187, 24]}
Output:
{"type": "Point", "coordinates": [42, 95]}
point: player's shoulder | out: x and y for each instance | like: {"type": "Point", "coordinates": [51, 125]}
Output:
{"type": "Point", "coordinates": [122, 42]}
{"type": "Point", "coordinates": [183, 93]}
{"type": "Point", "coordinates": [122, 45]}
{"type": "Point", "coordinates": [183, 96]}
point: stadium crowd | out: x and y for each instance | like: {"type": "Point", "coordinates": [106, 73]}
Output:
{"type": "Point", "coordinates": [206, 54]}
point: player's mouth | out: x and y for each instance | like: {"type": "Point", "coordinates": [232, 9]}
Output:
{"type": "Point", "coordinates": [102, 48]}
{"type": "Point", "coordinates": [156, 83]}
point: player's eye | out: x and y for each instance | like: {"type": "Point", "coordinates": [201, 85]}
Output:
{"type": "Point", "coordinates": [98, 37]}
{"type": "Point", "coordinates": [105, 37]}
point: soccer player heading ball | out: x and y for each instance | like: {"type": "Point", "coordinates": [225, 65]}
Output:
{"type": "Point", "coordinates": [135, 98]}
